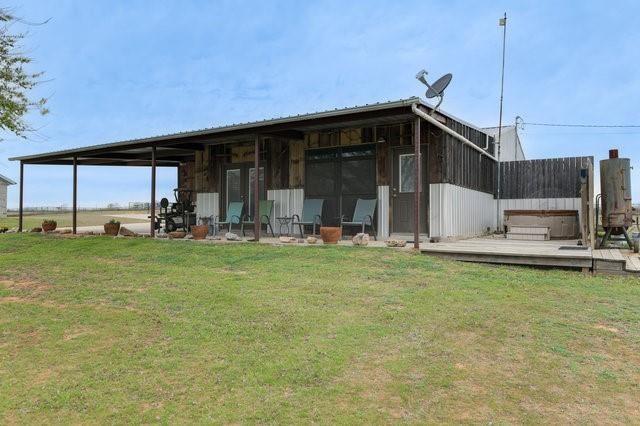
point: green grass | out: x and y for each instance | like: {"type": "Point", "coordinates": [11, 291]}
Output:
{"type": "Point", "coordinates": [96, 330]}
{"type": "Point", "coordinates": [85, 218]}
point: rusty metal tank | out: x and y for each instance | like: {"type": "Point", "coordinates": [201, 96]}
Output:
{"type": "Point", "coordinates": [615, 186]}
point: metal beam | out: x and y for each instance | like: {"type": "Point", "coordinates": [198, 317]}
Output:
{"type": "Point", "coordinates": [418, 183]}
{"type": "Point", "coordinates": [256, 190]}
{"type": "Point", "coordinates": [20, 207]}
{"type": "Point", "coordinates": [153, 191]}
{"type": "Point", "coordinates": [75, 196]}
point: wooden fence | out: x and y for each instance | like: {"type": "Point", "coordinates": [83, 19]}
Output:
{"type": "Point", "coordinates": [547, 178]}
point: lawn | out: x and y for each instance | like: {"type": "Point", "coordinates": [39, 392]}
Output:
{"type": "Point", "coordinates": [85, 218]}
{"type": "Point", "coordinates": [97, 330]}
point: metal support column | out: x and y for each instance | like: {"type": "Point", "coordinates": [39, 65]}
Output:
{"type": "Point", "coordinates": [21, 197]}
{"type": "Point", "coordinates": [418, 184]}
{"type": "Point", "coordinates": [153, 192]}
{"type": "Point", "coordinates": [256, 190]}
{"type": "Point", "coordinates": [75, 196]}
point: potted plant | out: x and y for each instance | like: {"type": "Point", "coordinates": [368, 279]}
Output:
{"type": "Point", "coordinates": [199, 232]}
{"type": "Point", "coordinates": [112, 227]}
{"type": "Point", "coordinates": [49, 225]}
{"type": "Point", "coordinates": [330, 234]}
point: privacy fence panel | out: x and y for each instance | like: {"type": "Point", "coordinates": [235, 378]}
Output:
{"type": "Point", "coordinates": [547, 178]}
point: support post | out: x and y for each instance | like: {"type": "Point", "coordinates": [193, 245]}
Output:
{"type": "Point", "coordinates": [256, 190]}
{"type": "Point", "coordinates": [418, 184]}
{"type": "Point", "coordinates": [153, 192]}
{"type": "Point", "coordinates": [75, 196]}
{"type": "Point", "coordinates": [20, 207]}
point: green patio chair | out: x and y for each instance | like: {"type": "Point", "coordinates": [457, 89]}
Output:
{"type": "Point", "coordinates": [362, 215]}
{"type": "Point", "coordinates": [266, 209]}
{"type": "Point", "coordinates": [311, 215]}
{"type": "Point", "coordinates": [234, 216]}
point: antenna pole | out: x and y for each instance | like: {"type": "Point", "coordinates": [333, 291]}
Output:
{"type": "Point", "coordinates": [503, 24]}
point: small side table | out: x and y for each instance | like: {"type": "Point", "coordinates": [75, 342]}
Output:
{"type": "Point", "coordinates": [285, 222]}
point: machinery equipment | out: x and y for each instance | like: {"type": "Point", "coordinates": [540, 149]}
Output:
{"type": "Point", "coordinates": [615, 186]}
{"type": "Point", "coordinates": [178, 215]}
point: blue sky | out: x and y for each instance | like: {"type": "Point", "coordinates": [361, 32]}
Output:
{"type": "Point", "coordinates": [120, 70]}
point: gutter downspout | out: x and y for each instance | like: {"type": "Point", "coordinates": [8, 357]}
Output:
{"type": "Point", "coordinates": [430, 119]}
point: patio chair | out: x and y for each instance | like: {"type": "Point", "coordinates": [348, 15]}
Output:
{"type": "Point", "coordinates": [266, 209]}
{"type": "Point", "coordinates": [362, 215]}
{"type": "Point", "coordinates": [311, 215]}
{"type": "Point", "coordinates": [234, 216]}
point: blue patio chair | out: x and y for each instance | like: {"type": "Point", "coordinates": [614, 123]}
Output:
{"type": "Point", "coordinates": [362, 215]}
{"type": "Point", "coordinates": [234, 216]}
{"type": "Point", "coordinates": [311, 215]}
{"type": "Point", "coordinates": [266, 209]}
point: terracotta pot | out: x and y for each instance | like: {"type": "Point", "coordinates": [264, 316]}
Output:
{"type": "Point", "coordinates": [111, 228]}
{"type": "Point", "coordinates": [177, 234]}
{"type": "Point", "coordinates": [199, 232]}
{"type": "Point", "coordinates": [330, 234]}
{"type": "Point", "coordinates": [49, 226]}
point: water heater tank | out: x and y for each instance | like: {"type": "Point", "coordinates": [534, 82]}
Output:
{"type": "Point", "coordinates": [615, 186]}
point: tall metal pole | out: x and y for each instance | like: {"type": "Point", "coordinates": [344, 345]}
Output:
{"type": "Point", "coordinates": [418, 182]}
{"type": "Point", "coordinates": [153, 192]}
{"type": "Point", "coordinates": [21, 197]}
{"type": "Point", "coordinates": [256, 190]}
{"type": "Point", "coordinates": [503, 24]}
{"type": "Point", "coordinates": [75, 196]}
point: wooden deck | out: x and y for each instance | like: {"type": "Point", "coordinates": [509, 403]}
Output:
{"type": "Point", "coordinates": [554, 253]}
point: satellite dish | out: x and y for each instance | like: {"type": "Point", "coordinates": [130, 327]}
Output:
{"type": "Point", "coordinates": [437, 89]}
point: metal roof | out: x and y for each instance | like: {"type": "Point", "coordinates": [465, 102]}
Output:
{"type": "Point", "coordinates": [243, 128]}
{"type": "Point", "coordinates": [6, 180]}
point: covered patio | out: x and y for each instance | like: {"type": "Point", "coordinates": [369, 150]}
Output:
{"type": "Point", "coordinates": [283, 151]}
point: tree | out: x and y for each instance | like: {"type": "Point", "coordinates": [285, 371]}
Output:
{"type": "Point", "coordinates": [15, 81]}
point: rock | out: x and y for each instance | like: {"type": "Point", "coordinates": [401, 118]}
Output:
{"type": "Point", "coordinates": [212, 237]}
{"type": "Point", "coordinates": [160, 235]}
{"type": "Point", "coordinates": [288, 240]}
{"type": "Point", "coordinates": [230, 236]}
{"type": "Point", "coordinates": [311, 240]}
{"type": "Point", "coordinates": [188, 237]}
{"type": "Point", "coordinates": [126, 232]}
{"type": "Point", "coordinates": [177, 234]}
{"type": "Point", "coordinates": [360, 239]}
{"type": "Point", "coordinates": [435, 239]}
{"type": "Point", "coordinates": [65, 231]}
{"type": "Point", "coordinates": [12, 231]}
{"type": "Point", "coordinates": [395, 243]}
{"type": "Point", "coordinates": [36, 229]}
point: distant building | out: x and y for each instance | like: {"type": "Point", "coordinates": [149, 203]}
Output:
{"type": "Point", "coordinates": [511, 149]}
{"type": "Point", "coordinates": [4, 184]}
{"type": "Point", "coordinates": [139, 205]}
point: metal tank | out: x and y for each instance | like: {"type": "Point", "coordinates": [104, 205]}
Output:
{"type": "Point", "coordinates": [615, 187]}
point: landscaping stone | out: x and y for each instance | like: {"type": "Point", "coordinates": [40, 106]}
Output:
{"type": "Point", "coordinates": [36, 229]}
{"type": "Point", "coordinates": [395, 243]}
{"type": "Point", "coordinates": [65, 231]}
{"type": "Point", "coordinates": [177, 234]}
{"type": "Point", "coordinates": [126, 232]}
{"type": "Point", "coordinates": [288, 240]}
{"type": "Point", "coordinates": [311, 240]}
{"type": "Point", "coordinates": [213, 238]}
{"type": "Point", "coordinates": [230, 236]}
{"type": "Point", "coordinates": [360, 239]}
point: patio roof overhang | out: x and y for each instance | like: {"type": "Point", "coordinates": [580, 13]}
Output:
{"type": "Point", "coordinates": [173, 149]}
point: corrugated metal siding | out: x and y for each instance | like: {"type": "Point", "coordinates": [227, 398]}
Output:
{"type": "Point", "coordinates": [287, 202]}
{"type": "Point", "coordinates": [539, 204]}
{"type": "Point", "coordinates": [207, 204]}
{"type": "Point", "coordinates": [455, 211]}
{"type": "Point", "coordinates": [383, 211]}
{"type": "Point", "coordinates": [3, 200]}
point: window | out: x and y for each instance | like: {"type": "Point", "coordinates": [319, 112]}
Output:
{"type": "Point", "coordinates": [407, 172]}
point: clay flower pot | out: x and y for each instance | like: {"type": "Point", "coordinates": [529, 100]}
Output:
{"type": "Point", "coordinates": [112, 228]}
{"type": "Point", "coordinates": [199, 232]}
{"type": "Point", "coordinates": [330, 234]}
{"type": "Point", "coordinates": [49, 225]}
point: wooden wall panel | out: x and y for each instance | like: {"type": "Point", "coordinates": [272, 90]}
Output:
{"type": "Point", "coordinates": [545, 178]}
{"type": "Point", "coordinates": [296, 164]}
